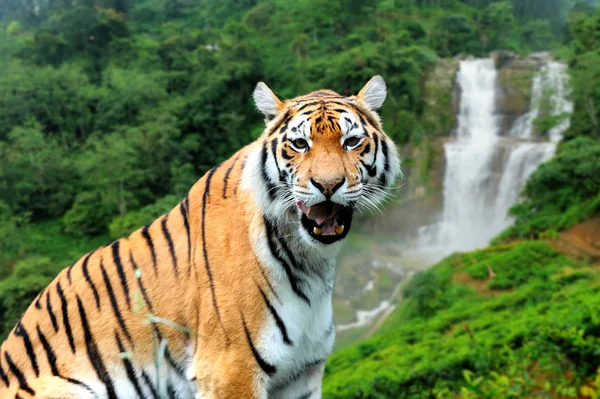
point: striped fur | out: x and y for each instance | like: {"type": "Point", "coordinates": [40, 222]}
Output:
{"type": "Point", "coordinates": [230, 279]}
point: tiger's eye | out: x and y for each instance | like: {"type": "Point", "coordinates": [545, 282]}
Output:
{"type": "Point", "coordinates": [300, 144]}
{"type": "Point", "coordinates": [351, 142]}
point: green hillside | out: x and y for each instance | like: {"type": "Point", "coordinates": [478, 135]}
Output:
{"type": "Point", "coordinates": [531, 330]}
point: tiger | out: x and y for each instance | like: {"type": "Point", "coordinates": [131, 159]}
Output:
{"type": "Point", "coordinates": [229, 294]}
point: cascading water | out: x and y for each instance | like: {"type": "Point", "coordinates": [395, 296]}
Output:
{"type": "Point", "coordinates": [476, 201]}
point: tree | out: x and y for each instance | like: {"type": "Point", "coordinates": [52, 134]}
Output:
{"type": "Point", "coordinates": [37, 175]}
{"type": "Point", "coordinates": [497, 23]}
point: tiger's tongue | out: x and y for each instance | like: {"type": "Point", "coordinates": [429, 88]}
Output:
{"type": "Point", "coordinates": [320, 214]}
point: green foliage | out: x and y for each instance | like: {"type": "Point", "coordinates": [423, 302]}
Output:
{"type": "Point", "coordinates": [456, 34]}
{"type": "Point", "coordinates": [516, 265]}
{"type": "Point", "coordinates": [10, 245]}
{"type": "Point", "coordinates": [34, 174]}
{"type": "Point", "coordinates": [14, 28]}
{"type": "Point", "coordinates": [497, 24]}
{"type": "Point", "coordinates": [88, 216]}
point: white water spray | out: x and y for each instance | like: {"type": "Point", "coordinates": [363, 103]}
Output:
{"type": "Point", "coordinates": [476, 200]}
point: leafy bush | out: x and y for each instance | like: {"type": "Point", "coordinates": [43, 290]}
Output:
{"type": "Point", "coordinates": [516, 265]}
{"type": "Point", "coordinates": [88, 216]}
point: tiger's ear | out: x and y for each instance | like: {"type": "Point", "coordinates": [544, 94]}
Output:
{"type": "Point", "coordinates": [266, 101]}
{"type": "Point", "coordinates": [374, 93]}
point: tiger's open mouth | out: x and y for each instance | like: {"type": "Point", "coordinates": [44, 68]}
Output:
{"type": "Point", "coordinates": [326, 222]}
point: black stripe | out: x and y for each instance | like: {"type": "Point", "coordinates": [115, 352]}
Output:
{"type": "Point", "coordinates": [3, 375]}
{"type": "Point", "coordinates": [150, 385]}
{"type": "Point", "coordinates": [307, 395]}
{"type": "Point", "coordinates": [287, 250]}
{"type": "Point", "coordinates": [20, 331]}
{"type": "Point", "coordinates": [17, 373]}
{"type": "Point", "coordinates": [140, 284]}
{"type": "Point", "coordinates": [86, 274]}
{"type": "Point", "coordinates": [269, 369]}
{"type": "Point", "coordinates": [94, 355]}
{"type": "Point", "coordinates": [65, 316]}
{"type": "Point", "coordinates": [373, 168]}
{"type": "Point", "coordinates": [38, 304]}
{"type": "Point", "coordinates": [285, 154]}
{"type": "Point", "coordinates": [330, 329]}
{"type": "Point", "coordinates": [204, 250]}
{"type": "Point", "coordinates": [286, 267]}
{"type": "Point", "coordinates": [51, 312]}
{"type": "Point", "coordinates": [146, 235]}
{"type": "Point", "coordinates": [384, 150]}
{"type": "Point", "coordinates": [364, 125]}
{"type": "Point", "coordinates": [179, 369]}
{"type": "Point", "coordinates": [117, 259]}
{"type": "Point", "coordinates": [226, 178]}
{"type": "Point", "coordinates": [282, 176]}
{"type": "Point", "coordinates": [129, 370]}
{"type": "Point", "coordinates": [167, 235]}
{"type": "Point", "coordinates": [386, 165]}
{"type": "Point", "coordinates": [171, 391]}
{"type": "Point", "coordinates": [243, 166]}
{"type": "Point", "coordinates": [69, 272]}
{"type": "Point", "coordinates": [49, 352]}
{"type": "Point", "coordinates": [205, 198]}
{"type": "Point", "coordinates": [308, 105]}
{"type": "Point", "coordinates": [282, 127]}
{"type": "Point", "coordinates": [77, 382]}
{"type": "Point", "coordinates": [113, 302]}
{"type": "Point", "coordinates": [369, 117]}
{"type": "Point", "coordinates": [267, 279]}
{"type": "Point", "coordinates": [278, 321]}
{"type": "Point", "coordinates": [263, 170]}
{"type": "Point", "coordinates": [186, 223]}
{"type": "Point", "coordinates": [366, 149]}
{"type": "Point", "coordinates": [17, 396]}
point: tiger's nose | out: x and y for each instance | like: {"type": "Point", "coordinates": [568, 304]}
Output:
{"type": "Point", "coordinates": [328, 187]}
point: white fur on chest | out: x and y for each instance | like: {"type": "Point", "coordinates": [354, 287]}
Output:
{"type": "Point", "coordinates": [310, 330]}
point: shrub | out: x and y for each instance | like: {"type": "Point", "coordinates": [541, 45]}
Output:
{"type": "Point", "coordinates": [88, 216]}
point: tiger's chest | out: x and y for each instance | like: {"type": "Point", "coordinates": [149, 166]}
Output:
{"type": "Point", "coordinates": [310, 337]}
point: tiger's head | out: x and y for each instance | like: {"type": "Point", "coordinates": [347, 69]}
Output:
{"type": "Point", "coordinates": [323, 156]}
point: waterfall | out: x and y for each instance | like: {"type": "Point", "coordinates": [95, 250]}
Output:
{"type": "Point", "coordinates": [486, 168]}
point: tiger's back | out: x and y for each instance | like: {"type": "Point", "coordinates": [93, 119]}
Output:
{"type": "Point", "coordinates": [235, 279]}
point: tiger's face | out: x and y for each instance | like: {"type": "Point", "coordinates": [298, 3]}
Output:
{"type": "Point", "coordinates": [326, 156]}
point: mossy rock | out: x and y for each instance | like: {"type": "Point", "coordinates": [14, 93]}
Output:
{"type": "Point", "coordinates": [439, 111]}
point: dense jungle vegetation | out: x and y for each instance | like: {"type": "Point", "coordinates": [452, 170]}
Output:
{"type": "Point", "coordinates": [111, 109]}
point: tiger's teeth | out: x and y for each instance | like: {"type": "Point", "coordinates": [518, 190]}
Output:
{"type": "Point", "coordinates": [339, 229]}
{"type": "Point", "coordinates": [317, 230]}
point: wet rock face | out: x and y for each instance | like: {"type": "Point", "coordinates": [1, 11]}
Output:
{"type": "Point", "coordinates": [515, 76]}
{"type": "Point", "coordinates": [440, 105]}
